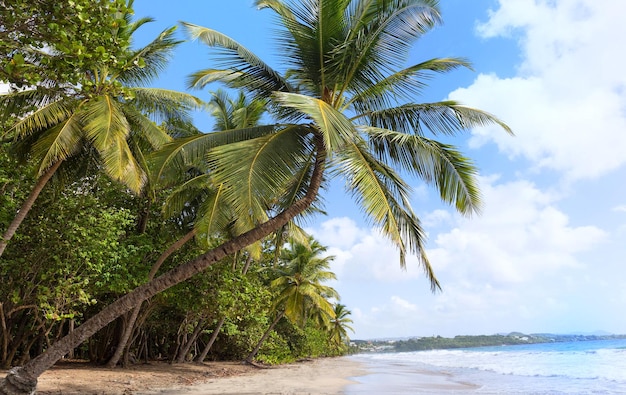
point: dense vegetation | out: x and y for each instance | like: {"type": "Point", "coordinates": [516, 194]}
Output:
{"type": "Point", "coordinates": [88, 239]}
{"type": "Point", "coordinates": [132, 235]}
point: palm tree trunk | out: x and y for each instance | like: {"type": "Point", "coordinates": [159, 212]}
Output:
{"type": "Point", "coordinates": [27, 205]}
{"type": "Point", "coordinates": [264, 337]}
{"type": "Point", "coordinates": [23, 380]}
{"type": "Point", "coordinates": [216, 331]}
{"type": "Point", "coordinates": [130, 326]}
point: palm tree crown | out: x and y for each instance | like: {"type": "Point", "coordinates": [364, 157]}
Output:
{"type": "Point", "coordinates": [340, 325]}
{"type": "Point", "coordinates": [345, 104]}
{"type": "Point", "coordinates": [110, 112]}
{"type": "Point", "coordinates": [300, 275]}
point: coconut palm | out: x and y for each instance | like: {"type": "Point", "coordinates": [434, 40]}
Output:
{"type": "Point", "coordinates": [344, 108]}
{"type": "Point", "coordinates": [110, 115]}
{"type": "Point", "coordinates": [195, 200]}
{"type": "Point", "coordinates": [298, 286]}
{"type": "Point", "coordinates": [339, 325]}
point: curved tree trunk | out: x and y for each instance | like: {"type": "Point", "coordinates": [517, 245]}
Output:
{"type": "Point", "coordinates": [23, 380]}
{"type": "Point", "coordinates": [264, 337]}
{"type": "Point", "coordinates": [208, 346]}
{"type": "Point", "coordinates": [27, 205]}
{"type": "Point", "coordinates": [130, 325]}
{"type": "Point", "coordinates": [184, 350]}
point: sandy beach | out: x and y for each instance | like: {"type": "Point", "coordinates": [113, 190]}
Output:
{"type": "Point", "coordinates": [319, 376]}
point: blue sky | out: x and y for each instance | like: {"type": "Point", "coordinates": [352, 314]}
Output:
{"type": "Point", "coordinates": [547, 253]}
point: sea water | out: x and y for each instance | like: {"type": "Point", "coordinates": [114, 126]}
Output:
{"type": "Point", "coordinates": [585, 367]}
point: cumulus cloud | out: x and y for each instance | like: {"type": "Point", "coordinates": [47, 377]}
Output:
{"type": "Point", "coordinates": [520, 235]}
{"type": "Point", "coordinates": [567, 103]}
{"type": "Point", "coordinates": [500, 266]}
{"type": "Point", "coordinates": [363, 253]}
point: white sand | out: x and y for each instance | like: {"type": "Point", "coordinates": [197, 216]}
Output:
{"type": "Point", "coordinates": [320, 376]}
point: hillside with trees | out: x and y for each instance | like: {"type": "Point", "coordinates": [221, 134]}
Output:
{"type": "Point", "coordinates": [466, 341]}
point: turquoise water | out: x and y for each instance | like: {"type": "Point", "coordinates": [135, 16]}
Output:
{"type": "Point", "coordinates": [590, 367]}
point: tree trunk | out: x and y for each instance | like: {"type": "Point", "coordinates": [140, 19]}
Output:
{"type": "Point", "coordinates": [27, 205]}
{"type": "Point", "coordinates": [5, 338]}
{"type": "Point", "coordinates": [208, 346]}
{"type": "Point", "coordinates": [23, 380]}
{"type": "Point", "coordinates": [130, 326]}
{"type": "Point", "coordinates": [247, 265]}
{"type": "Point", "coordinates": [70, 355]}
{"type": "Point", "coordinates": [184, 350]}
{"type": "Point", "coordinates": [264, 337]}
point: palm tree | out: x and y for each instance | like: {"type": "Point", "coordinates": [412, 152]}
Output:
{"type": "Point", "coordinates": [344, 109]}
{"type": "Point", "coordinates": [195, 199]}
{"type": "Point", "coordinates": [298, 286]}
{"type": "Point", "coordinates": [339, 326]}
{"type": "Point", "coordinates": [105, 115]}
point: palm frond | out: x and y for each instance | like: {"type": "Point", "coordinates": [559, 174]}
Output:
{"type": "Point", "coordinates": [436, 163]}
{"type": "Point", "coordinates": [145, 64]}
{"type": "Point", "coordinates": [104, 122]}
{"type": "Point", "coordinates": [43, 118]}
{"type": "Point", "coordinates": [403, 84]}
{"type": "Point", "coordinates": [336, 129]}
{"type": "Point", "coordinates": [446, 117]}
{"type": "Point", "coordinates": [215, 215]}
{"type": "Point", "coordinates": [145, 129]}
{"type": "Point", "coordinates": [186, 193]}
{"type": "Point", "coordinates": [384, 197]}
{"type": "Point", "coordinates": [57, 143]}
{"type": "Point", "coordinates": [182, 153]}
{"type": "Point", "coordinates": [121, 165]}
{"type": "Point", "coordinates": [234, 56]}
{"type": "Point", "coordinates": [107, 128]}
{"type": "Point", "coordinates": [21, 103]}
{"type": "Point", "coordinates": [164, 104]}
{"type": "Point", "coordinates": [256, 171]}
{"type": "Point", "coordinates": [296, 189]}
{"type": "Point", "coordinates": [202, 78]}
{"type": "Point", "coordinates": [380, 36]}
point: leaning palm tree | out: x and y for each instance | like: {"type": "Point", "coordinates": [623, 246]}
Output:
{"type": "Point", "coordinates": [298, 286]}
{"type": "Point", "coordinates": [345, 107]}
{"type": "Point", "coordinates": [194, 200]}
{"type": "Point", "coordinates": [110, 114]}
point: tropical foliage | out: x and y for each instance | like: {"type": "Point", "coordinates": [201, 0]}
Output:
{"type": "Point", "coordinates": [106, 117]}
{"type": "Point", "coordinates": [343, 104]}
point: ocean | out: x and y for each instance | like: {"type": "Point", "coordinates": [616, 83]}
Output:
{"type": "Point", "coordinates": [585, 367]}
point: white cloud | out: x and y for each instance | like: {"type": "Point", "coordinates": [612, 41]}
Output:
{"type": "Point", "coordinates": [436, 218]}
{"type": "Point", "coordinates": [621, 208]}
{"type": "Point", "coordinates": [403, 306]}
{"type": "Point", "coordinates": [512, 268]}
{"type": "Point", "coordinates": [519, 236]}
{"type": "Point", "coordinates": [567, 104]}
{"type": "Point", "coordinates": [362, 253]}
{"type": "Point", "coordinates": [339, 232]}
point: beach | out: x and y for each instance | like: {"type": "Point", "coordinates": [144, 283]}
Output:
{"type": "Point", "coordinates": [583, 367]}
{"type": "Point", "coordinates": [318, 376]}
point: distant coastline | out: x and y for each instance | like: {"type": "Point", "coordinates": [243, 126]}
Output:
{"type": "Point", "coordinates": [464, 341]}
